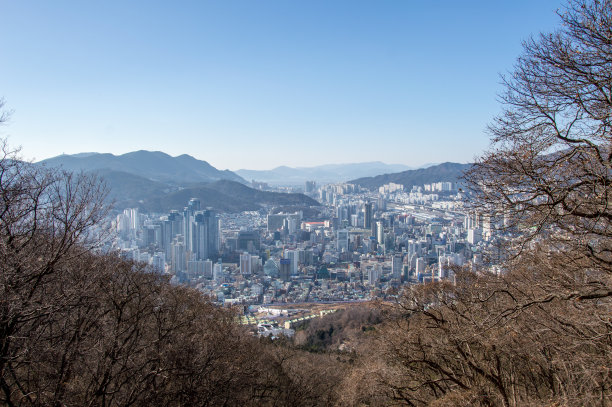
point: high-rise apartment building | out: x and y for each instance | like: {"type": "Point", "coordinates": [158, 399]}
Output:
{"type": "Point", "coordinates": [293, 257]}
{"type": "Point", "coordinates": [380, 232]}
{"type": "Point", "coordinates": [285, 269]}
{"type": "Point", "coordinates": [342, 240]}
{"type": "Point", "coordinates": [205, 238]}
{"type": "Point", "coordinates": [245, 264]}
{"type": "Point", "coordinates": [396, 267]}
{"type": "Point", "coordinates": [367, 215]}
{"type": "Point", "coordinates": [178, 254]}
{"type": "Point", "coordinates": [188, 218]}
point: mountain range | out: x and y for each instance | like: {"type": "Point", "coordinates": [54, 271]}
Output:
{"type": "Point", "coordinates": [322, 174]}
{"type": "Point", "coordinates": [450, 172]}
{"type": "Point", "coordinates": [152, 165]}
{"type": "Point", "coordinates": [156, 182]}
{"type": "Point", "coordinates": [223, 195]}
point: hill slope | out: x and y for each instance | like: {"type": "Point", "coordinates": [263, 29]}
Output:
{"type": "Point", "coordinates": [225, 196]}
{"type": "Point", "coordinates": [131, 191]}
{"type": "Point", "coordinates": [442, 172]}
{"type": "Point", "coordinates": [152, 165]}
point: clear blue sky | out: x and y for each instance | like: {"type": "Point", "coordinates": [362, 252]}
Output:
{"type": "Point", "coordinates": [256, 84]}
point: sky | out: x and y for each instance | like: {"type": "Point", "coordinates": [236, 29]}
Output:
{"type": "Point", "coordinates": [256, 84]}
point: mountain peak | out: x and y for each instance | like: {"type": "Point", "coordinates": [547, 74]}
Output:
{"type": "Point", "coordinates": [145, 153]}
{"type": "Point", "coordinates": [153, 165]}
{"type": "Point", "coordinates": [82, 155]}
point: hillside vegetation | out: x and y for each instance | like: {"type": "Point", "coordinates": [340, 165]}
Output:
{"type": "Point", "coordinates": [225, 196]}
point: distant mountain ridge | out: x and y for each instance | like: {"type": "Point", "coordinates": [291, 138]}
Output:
{"type": "Point", "coordinates": [284, 175]}
{"type": "Point", "coordinates": [156, 182]}
{"type": "Point", "coordinates": [131, 191]}
{"type": "Point", "coordinates": [225, 195]}
{"type": "Point", "coordinates": [451, 172]}
{"type": "Point", "coordinates": [152, 165]}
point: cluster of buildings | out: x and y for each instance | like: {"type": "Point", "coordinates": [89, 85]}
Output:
{"type": "Point", "coordinates": [185, 243]}
{"type": "Point", "coordinates": [358, 245]}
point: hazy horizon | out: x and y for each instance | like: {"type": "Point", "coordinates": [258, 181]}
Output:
{"type": "Point", "coordinates": [84, 154]}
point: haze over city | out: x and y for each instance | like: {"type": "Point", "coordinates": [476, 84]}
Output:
{"type": "Point", "coordinates": [256, 85]}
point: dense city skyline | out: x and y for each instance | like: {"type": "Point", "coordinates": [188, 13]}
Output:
{"type": "Point", "coordinates": [259, 85]}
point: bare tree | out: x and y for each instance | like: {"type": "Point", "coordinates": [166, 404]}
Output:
{"type": "Point", "coordinates": [485, 341]}
{"type": "Point", "coordinates": [4, 114]}
{"type": "Point", "coordinates": [549, 169]}
{"type": "Point", "coordinates": [46, 221]}
{"type": "Point", "coordinates": [79, 327]}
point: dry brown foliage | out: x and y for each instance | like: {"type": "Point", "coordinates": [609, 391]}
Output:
{"type": "Point", "coordinates": [79, 328]}
{"type": "Point", "coordinates": [524, 338]}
